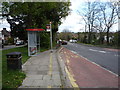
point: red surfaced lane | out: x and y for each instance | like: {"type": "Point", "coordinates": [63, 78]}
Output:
{"type": "Point", "coordinates": [88, 74]}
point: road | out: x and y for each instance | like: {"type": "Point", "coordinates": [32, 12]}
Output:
{"type": "Point", "coordinates": [106, 58]}
{"type": "Point", "coordinates": [85, 74]}
{"type": "Point", "coordinates": [12, 46]}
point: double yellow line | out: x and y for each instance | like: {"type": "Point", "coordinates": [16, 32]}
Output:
{"type": "Point", "coordinates": [50, 68]}
{"type": "Point", "coordinates": [50, 65]}
{"type": "Point", "coordinates": [72, 80]}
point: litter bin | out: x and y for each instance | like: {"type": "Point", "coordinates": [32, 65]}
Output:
{"type": "Point", "coordinates": [14, 60]}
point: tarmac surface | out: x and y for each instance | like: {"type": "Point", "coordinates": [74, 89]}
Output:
{"type": "Point", "coordinates": [105, 57]}
{"type": "Point", "coordinates": [87, 74]}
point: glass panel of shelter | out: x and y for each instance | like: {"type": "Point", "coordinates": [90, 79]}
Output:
{"type": "Point", "coordinates": [32, 43]}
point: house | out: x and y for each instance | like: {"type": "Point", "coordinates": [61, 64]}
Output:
{"type": "Point", "coordinates": [5, 35]}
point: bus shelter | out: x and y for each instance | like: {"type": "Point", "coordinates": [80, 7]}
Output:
{"type": "Point", "coordinates": [33, 41]}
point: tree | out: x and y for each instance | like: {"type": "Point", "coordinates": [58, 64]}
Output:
{"type": "Point", "coordinates": [89, 15]}
{"type": "Point", "coordinates": [100, 27]}
{"type": "Point", "coordinates": [99, 17]}
{"type": "Point", "coordinates": [34, 15]}
{"type": "Point", "coordinates": [65, 35]}
{"type": "Point", "coordinates": [109, 11]}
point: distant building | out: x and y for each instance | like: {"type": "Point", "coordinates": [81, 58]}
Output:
{"type": "Point", "coordinates": [110, 38]}
{"type": "Point", "coordinates": [5, 34]}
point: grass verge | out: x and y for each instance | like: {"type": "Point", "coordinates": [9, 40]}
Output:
{"type": "Point", "coordinates": [14, 78]}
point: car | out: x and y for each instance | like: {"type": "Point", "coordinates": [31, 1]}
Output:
{"type": "Point", "coordinates": [20, 42]}
{"type": "Point", "coordinates": [64, 42]}
{"type": "Point", "coordinates": [73, 41]}
{"type": "Point", "coordinates": [70, 40]}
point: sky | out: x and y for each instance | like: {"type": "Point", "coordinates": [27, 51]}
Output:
{"type": "Point", "coordinates": [72, 21]}
{"type": "Point", "coordinates": [4, 24]}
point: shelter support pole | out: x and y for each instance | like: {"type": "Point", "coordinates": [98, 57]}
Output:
{"type": "Point", "coordinates": [39, 41]}
{"type": "Point", "coordinates": [28, 44]}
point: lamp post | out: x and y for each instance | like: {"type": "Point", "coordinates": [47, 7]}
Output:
{"type": "Point", "coordinates": [51, 35]}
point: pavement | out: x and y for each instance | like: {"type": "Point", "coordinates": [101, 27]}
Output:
{"type": "Point", "coordinates": [43, 71]}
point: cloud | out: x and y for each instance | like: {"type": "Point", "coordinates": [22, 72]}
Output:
{"type": "Point", "coordinates": [4, 24]}
{"type": "Point", "coordinates": [72, 21]}
{"type": "Point", "coordinates": [114, 28]}
{"type": "Point", "coordinates": [75, 4]}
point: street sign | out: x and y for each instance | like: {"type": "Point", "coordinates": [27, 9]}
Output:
{"type": "Point", "coordinates": [48, 27]}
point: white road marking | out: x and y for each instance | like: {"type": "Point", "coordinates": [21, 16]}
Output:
{"type": "Point", "coordinates": [97, 51]}
{"type": "Point", "coordinates": [116, 55]}
{"type": "Point", "coordinates": [95, 63]}
{"type": "Point", "coordinates": [74, 52]}
{"type": "Point", "coordinates": [102, 51]}
{"type": "Point", "coordinates": [93, 50]}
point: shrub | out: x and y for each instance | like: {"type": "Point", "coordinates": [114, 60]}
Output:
{"type": "Point", "coordinates": [10, 41]}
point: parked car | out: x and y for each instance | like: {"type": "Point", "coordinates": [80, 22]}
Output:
{"type": "Point", "coordinates": [64, 42]}
{"type": "Point", "coordinates": [73, 41]}
{"type": "Point", "coordinates": [19, 42]}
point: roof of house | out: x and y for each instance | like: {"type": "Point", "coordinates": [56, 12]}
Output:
{"type": "Point", "coordinates": [5, 32]}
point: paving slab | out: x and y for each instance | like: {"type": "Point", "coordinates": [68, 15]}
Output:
{"type": "Point", "coordinates": [40, 77]}
{"type": "Point", "coordinates": [42, 71]}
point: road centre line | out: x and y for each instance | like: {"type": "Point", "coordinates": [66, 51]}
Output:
{"type": "Point", "coordinates": [93, 50]}
{"type": "Point", "coordinates": [116, 55]}
{"type": "Point", "coordinates": [95, 63]}
{"type": "Point", "coordinates": [97, 51]}
{"type": "Point", "coordinates": [102, 51]}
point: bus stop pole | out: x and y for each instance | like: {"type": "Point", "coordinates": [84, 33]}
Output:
{"type": "Point", "coordinates": [51, 36]}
